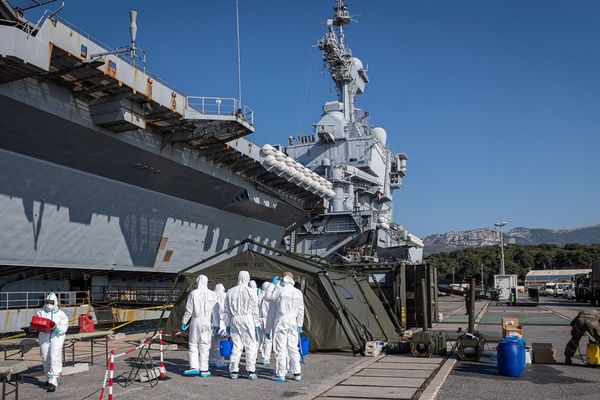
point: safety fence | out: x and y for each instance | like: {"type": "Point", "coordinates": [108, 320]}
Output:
{"type": "Point", "coordinates": [27, 300]}
{"type": "Point", "coordinates": [110, 363]}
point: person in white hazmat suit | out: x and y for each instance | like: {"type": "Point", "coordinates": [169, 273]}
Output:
{"type": "Point", "coordinates": [242, 322]}
{"type": "Point", "coordinates": [285, 322]}
{"type": "Point", "coordinates": [252, 285]}
{"type": "Point", "coordinates": [51, 343]}
{"type": "Point", "coordinates": [264, 336]}
{"type": "Point", "coordinates": [199, 308]}
{"type": "Point", "coordinates": [216, 359]}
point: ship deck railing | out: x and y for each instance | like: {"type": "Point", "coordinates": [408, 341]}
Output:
{"type": "Point", "coordinates": [220, 106]}
{"type": "Point", "coordinates": [133, 295]}
{"type": "Point", "coordinates": [209, 106]}
{"type": "Point", "coordinates": [125, 56]}
{"type": "Point", "coordinates": [340, 227]}
{"type": "Point", "coordinates": [29, 300]}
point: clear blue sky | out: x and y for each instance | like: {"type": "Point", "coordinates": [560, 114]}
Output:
{"type": "Point", "coordinates": [496, 103]}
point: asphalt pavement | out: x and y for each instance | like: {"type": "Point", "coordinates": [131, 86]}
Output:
{"type": "Point", "coordinates": [548, 323]}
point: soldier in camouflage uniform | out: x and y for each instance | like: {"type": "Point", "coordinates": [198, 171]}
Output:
{"type": "Point", "coordinates": [586, 321]}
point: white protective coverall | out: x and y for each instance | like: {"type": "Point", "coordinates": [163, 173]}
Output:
{"type": "Point", "coordinates": [51, 343]}
{"type": "Point", "coordinates": [265, 344]}
{"type": "Point", "coordinates": [241, 316]}
{"type": "Point", "coordinates": [199, 308]}
{"type": "Point", "coordinates": [284, 321]}
{"type": "Point", "coordinates": [218, 321]}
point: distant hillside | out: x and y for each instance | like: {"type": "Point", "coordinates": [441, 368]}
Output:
{"type": "Point", "coordinates": [451, 241]}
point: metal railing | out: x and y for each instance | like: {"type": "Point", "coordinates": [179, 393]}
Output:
{"type": "Point", "coordinates": [205, 105]}
{"type": "Point", "coordinates": [27, 300]}
{"type": "Point", "coordinates": [220, 106]}
{"type": "Point", "coordinates": [340, 227]}
{"type": "Point", "coordinates": [129, 295]}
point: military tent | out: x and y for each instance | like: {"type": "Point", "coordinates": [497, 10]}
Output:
{"type": "Point", "coordinates": [341, 310]}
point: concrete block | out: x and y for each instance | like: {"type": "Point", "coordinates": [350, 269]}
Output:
{"type": "Point", "coordinates": [153, 373]}
{"type": "Point", "coordinates": [75, 369]}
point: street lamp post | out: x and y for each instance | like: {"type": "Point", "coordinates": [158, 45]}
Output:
{"type": "Point", "coordinates": [500, 225]}
{"type": "Point", "coordinates": [481, 276]}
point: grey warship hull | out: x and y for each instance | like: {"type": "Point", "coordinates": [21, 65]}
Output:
{"type": "Point", "coordinates": [71, 195]}
{"type": "Point", "coordinates": [106, 169]}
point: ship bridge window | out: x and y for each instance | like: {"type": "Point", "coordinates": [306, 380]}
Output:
{"type": "Point", "coordinates": [83, 51]}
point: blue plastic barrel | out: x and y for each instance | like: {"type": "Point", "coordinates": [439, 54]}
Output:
{"type": "Point", "coordinates": [225, 347]}
{"type": "Point", "coordinates": [511, 356]}
{"type": "Point", "coordinates": [304, 341]}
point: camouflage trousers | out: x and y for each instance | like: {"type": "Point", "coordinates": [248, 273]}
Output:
{"type": "Point", "coordinates": [586, 322]}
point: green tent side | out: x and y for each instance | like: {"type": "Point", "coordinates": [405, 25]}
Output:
{"type": "Point", "coordinates": [341, 310]}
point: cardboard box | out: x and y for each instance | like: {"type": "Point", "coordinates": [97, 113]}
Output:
{"type": "Point", "coordinates": [512, 332]}
{"type": "Point", "coordinates": [511, 327]}
{"type": "Point", "coordinates": [372, 349]}
{"type": "Point", "coordinates": [543, 353]}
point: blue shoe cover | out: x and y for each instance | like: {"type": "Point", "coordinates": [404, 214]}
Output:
{"type": "Point", "coordinates": [252, 376]}
{"type": "Point", "coordinates": [233, 376]}
{"type": "Point", "coordinates": [191, 372]}
{"type": "Point", "coordinates": [205, 374]}
{"type": "Point", "coordinates": [278, 379]}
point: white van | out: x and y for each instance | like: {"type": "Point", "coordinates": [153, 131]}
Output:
{"type": "Point", "coordinates": [550, 288]}
{"type": "Point", "coordinates": [561, 288]}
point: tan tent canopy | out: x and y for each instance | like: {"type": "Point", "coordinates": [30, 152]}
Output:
{"type": "Point", "coordinates": [341, 310]}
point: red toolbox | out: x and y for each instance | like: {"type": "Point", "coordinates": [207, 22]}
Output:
{"type": "Point", "coordinates": [40, 324]}
{"type": "Point", "coordinates": [86, 323]}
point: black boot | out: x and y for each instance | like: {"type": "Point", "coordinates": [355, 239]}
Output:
{"type": "Point", "coordinates": [568, 361]}
{"type": "Point", "coordinates": [51, 388]}
{"type": "Point", "coordinates": [46, 384]}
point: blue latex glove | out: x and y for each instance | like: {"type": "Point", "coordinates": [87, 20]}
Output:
{"type": "Point", "coordinates": [275, 280]}
{"type": "Point", "coordinates": [183, 327]}
{"type": "Point", "coordinates": [228, 330]}
{"type": "Point", "coordinates": [268, 335]}
{"type": "Point", "coordinates": [300, 330]}
{"type": "Point", "coordinates": [55, 330]}
{"type": "Point", "coordinates": [256, 329]}
{"type": "Point", "coordinates": [215, 328]}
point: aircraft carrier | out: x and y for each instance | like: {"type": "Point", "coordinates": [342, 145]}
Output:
{"type": "Point", "coordinates": [110, 176]}
{"type": "Point", "coordinates": [112, 181]}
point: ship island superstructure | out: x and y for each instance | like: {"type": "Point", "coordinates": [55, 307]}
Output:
{"type": "Point", "coordinates": [347, 151]}
{"type": "Point", "coordinates": [109, 176]}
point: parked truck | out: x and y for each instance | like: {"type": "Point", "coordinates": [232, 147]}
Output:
{"type": "Point", "coordinates": [582, 288]}
{"type": "Point", "coordinates": [595, 284]}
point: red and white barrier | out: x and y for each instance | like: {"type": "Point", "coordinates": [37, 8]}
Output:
{"type": "Point", "coordinates": [105, 379]}
{"type": "Point", "coordinates": [163, 372]}
{"type": "Point", "coordinates": [110, 364]}
{"type": "Point", "coordinates": [111, 372]}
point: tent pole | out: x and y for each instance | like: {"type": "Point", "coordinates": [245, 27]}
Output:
{"type": "Point", "coordinates": [364, 295]}
{"type": "Point", "coordinates": [296, 257]}
{"type": "Point", "coordinates": [389, 306]}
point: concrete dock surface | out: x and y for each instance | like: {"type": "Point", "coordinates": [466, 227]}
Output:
{"type": "Point", "coordinates": [342, 376]}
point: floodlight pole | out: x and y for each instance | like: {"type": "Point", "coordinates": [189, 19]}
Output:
{"type": "Point", "coordinates": [500, 225]}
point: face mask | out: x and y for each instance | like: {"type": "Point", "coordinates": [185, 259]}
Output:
{"type": "Point", "coordinates": [49, 307]}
